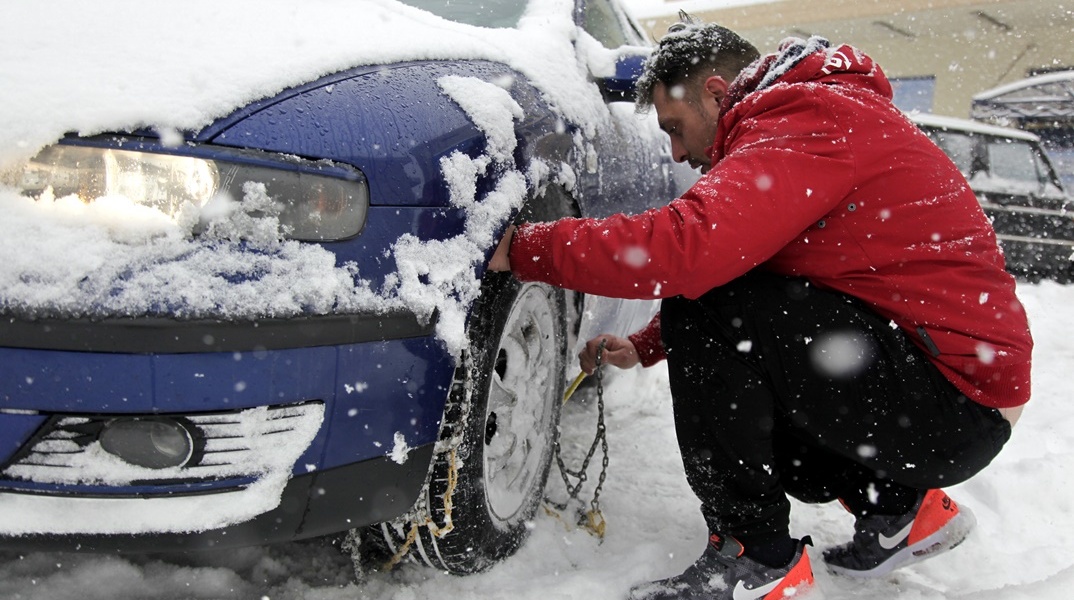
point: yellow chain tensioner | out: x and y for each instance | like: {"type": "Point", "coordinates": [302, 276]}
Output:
{"type": "Point", "coordinates": [574, 386]}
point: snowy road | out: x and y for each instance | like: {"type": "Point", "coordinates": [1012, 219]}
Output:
{"type": "Point", "coordinates": [1023, 547]}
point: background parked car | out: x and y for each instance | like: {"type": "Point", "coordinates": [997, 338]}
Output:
{"type": "Point", "coordinates": [1018, 189]}
{"type": "Point", "coordinates": [174, 419]}
{"type": "Point", "coordinates": [1043, 104]}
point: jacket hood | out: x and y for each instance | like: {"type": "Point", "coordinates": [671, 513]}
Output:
{"type": "Point", "coordinates": [812, 60]}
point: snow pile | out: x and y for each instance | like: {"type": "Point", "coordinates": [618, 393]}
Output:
{"type": "Point", "coordinates": [400, 449]}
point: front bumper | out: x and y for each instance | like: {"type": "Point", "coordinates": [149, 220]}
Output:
{"type": "Point", "coordinates": [380, 378]}
{"type": "Point", "coordinates": [316, 504]}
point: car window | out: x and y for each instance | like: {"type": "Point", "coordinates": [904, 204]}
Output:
{"type": "Point", "coordinates": [958, 146]}
{"type": "Point", "coordinates": [1013, 160]}
{"type": "Point", "coordinates": [1017, 167]}
{"type": "Point", "coordinates": [482, 13]}
{"type": "Point", "coordinates": [606, 24]}
{"type": "Point", "coordinates": [1053, 185]}
{"type": "Point", "coordinates": [1063, 159]}
{"type": "Point", "coordinates": [1052, 195]}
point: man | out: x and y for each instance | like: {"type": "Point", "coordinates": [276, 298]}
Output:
{"type": "Point", "coordinates": [836, 318]}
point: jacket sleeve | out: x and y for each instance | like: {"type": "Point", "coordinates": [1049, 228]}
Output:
{"type": "Point", "coordinates": [785, 165]}
{"type": "Point", "coordinates": [647, 343]}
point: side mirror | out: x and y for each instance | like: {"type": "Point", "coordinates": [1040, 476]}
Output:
{"type": "Point", "coordinates": [620, 86]}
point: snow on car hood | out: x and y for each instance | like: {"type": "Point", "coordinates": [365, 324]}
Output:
{"type": "Point", "coordinates": [118, 65]}
{"type": "Point", "coordinates": [75, 66]}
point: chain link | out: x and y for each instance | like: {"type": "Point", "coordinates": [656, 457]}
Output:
{"type": "Point", "coordinates": [595, 518]}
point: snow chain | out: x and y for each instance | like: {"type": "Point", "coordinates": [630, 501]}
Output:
{"type": "Point", "coordinates": [420, 516]}
{"type": "Point", "coordinates": [594, 519]}
{"type": "Point", "coordinates": [434, 529]}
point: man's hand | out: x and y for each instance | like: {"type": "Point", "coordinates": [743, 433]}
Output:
{"type": "Point", "coordinates": [617, 351]}
{"type": "Point", "coordinates": [500, 260]}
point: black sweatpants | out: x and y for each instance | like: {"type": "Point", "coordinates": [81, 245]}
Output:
{"type": "Point", "coordinates": [780, 388]}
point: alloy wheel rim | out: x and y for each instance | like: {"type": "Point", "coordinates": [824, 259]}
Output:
{"type": "Point", "coordinates": [518, 423]}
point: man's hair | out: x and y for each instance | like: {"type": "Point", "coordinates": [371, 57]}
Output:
{"type": "Point", "coordinates": [691, 52]}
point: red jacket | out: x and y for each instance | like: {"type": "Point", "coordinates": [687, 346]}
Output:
{"type": "Point", "coordinates": [816, 174]}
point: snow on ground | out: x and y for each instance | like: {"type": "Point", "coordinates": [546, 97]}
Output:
{"type": "Point", "coordinates": [1023, 547]}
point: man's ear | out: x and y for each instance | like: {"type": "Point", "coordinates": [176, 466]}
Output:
{"type": "Point", "coordinates": [716, 86]}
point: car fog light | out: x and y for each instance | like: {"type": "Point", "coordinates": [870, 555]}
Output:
{"type": "Point", "coordinates": [150, 443]}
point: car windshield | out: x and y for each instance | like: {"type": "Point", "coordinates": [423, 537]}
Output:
{"type": "Point", "coordinates": [482, 13]}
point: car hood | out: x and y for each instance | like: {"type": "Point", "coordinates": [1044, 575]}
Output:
{"type": "Point", "coordinates": [122, 65]}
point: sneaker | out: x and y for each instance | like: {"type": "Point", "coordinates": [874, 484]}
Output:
{"type": "Point", "coordinates": [723, 573]}
{"type": "Point", "coordinates": [883, 543]}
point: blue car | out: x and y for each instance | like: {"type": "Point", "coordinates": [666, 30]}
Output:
{"type": "Point", "coordinates": [420, 403]}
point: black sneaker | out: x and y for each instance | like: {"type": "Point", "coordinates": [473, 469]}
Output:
{"type": "Point", "coordinates": [723, 573]}
{"type": "Point", "coordinates": [883, 543]}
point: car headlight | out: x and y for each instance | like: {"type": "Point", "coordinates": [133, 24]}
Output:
{"type": "Point", "coordinates": [313, 206]}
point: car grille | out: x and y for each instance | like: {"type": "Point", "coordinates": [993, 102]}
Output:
{"type": "Point", "coordinates": [242, 444]}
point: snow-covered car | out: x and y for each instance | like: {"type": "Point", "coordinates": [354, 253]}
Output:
{"type": "Point", "coordinates": [1018, 188]}
{"type": "Point", "coordinates": [243, 296]}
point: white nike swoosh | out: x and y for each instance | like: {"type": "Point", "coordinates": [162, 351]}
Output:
{"type": "Point", "coordinates": [887, 543]}
{"type": "Point", "coordinates": [741, 592]}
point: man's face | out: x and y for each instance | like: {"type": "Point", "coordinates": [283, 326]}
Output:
{"type": "Point", "coordinates": [689, 117]}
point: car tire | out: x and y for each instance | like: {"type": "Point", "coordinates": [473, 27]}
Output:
{"type": "Point", "coordinates": [505, 404]}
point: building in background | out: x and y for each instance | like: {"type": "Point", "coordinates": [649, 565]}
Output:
{"type": "Point", "coordinates": [939, 53]}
